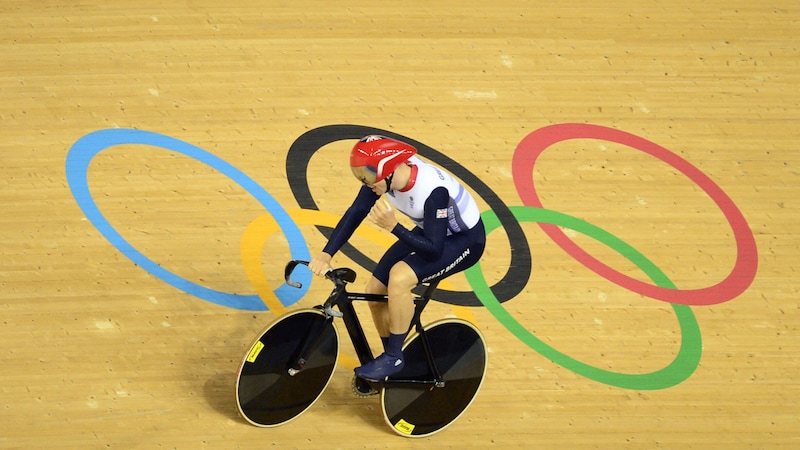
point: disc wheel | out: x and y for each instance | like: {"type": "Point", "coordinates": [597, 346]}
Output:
{"type": "Point", "coordinates": [267, 394]}
{"type": "Point", "coordinates": [418, 409]}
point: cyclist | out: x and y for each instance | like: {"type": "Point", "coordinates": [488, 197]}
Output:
{"type": "Point", "coordinates": [448, 236]}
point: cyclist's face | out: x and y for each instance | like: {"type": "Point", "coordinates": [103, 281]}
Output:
{"type": "Point", "coordinates": [378, 188]}
{"type": "Point", "coordinates": [367, 178]}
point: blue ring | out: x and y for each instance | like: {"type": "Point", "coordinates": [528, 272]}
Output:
{"type": "Point", "coordinates": [77, 166]}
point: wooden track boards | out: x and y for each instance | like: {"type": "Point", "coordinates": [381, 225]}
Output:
{"type": "Point", "coordinates": [97, 352]}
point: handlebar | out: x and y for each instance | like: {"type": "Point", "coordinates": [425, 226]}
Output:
{"type": "Point", "coordinates": [339, 276]}
{"type": "Point", "coordinates": [287, 273]}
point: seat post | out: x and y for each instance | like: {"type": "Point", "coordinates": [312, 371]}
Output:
{"type": "Point", "coordinates": [430, 289]}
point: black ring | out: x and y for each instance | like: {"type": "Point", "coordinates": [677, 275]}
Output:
{"type": "Point", "coordinates": [311, 141]}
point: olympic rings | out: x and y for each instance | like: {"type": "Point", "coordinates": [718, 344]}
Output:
{"type": "Point", "coordinates": [77, 166]}
{"type": "Point", "coordinates": [746, 265]}
{"type": "Point", "coordinates": [296, 170]}
{"type": "Point", "coordinates": [685, 362]}
{"type": "Point", "coordinates": [259, 230]}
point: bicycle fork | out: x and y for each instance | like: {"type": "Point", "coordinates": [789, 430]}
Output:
{"type": "Point", "coordinates": [310, 343]}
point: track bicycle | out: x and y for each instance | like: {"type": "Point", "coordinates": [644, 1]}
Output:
{"type": "Point", "coordinates": [290, 363]}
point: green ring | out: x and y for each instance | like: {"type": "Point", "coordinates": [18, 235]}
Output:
{"type": "Point", "coordinates": [685, 362]}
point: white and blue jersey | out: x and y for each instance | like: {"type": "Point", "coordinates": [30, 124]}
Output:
{"type": "Point", "coordinates": [448, 237]}
{"type": "Point", "coordinates": [461, 210]}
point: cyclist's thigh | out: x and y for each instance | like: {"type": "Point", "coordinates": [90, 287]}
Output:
{"type": "Point", "coordinates": [397, 252]}
{"type": "Point", "coordinates": [460, 252]}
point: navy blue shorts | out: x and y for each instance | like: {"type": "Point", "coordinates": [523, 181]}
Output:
{"type": "Point", "coordinates": [461, 251]}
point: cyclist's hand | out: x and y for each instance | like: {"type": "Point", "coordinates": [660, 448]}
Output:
{"type": "Point", "coordinates": [321, 264]}
{"type": "Point", "coordinates": [382, 215]}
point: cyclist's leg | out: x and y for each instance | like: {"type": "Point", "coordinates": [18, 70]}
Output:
{"type": "Point", "coordinates": [379, 310]}
{"type": "Point", "coordinates": [402, 280]}
{"type": "Point", "coordinates": [395, 278]}
{"type": "Point", "coordinates": [460, 251]}
{"type": "Point", "coordinates": [378, 283]}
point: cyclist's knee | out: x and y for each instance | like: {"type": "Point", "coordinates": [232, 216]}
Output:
{"type": "Point", "coordinates": [402, 277]}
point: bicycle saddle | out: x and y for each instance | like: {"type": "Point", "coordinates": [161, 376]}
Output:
{"type": "Point", "coordinates": [344, 274]}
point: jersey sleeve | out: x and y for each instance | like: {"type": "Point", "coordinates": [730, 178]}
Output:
{"type": "Point", "coordinates": [430, 243]}
{"type": "Point", "coordinates": [351, 219]}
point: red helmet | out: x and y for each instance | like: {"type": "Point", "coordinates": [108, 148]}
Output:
{"type": "Point", "coordinates": [375, 157]}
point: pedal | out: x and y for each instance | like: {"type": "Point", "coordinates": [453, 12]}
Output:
{"type": "Point", "coordinates": [362, 387]}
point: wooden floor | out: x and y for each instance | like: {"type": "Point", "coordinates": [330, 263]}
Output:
{"type": "Point", "coordinates": [124, 253]}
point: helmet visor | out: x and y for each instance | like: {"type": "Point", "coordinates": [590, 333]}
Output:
{"type": "Point", "coordinates": [365, 174]}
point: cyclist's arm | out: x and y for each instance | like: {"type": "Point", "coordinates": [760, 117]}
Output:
{"type": "Point", "coordinates": [430, 243]}
{"type": "Point", "coordinates": [351, 219]}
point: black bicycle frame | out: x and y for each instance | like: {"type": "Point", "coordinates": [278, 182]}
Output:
{"type": "Point", "coordinates": [343, 301]}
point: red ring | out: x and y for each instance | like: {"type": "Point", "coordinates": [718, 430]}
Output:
{"type": "Point", "coordinates": [744, 270]}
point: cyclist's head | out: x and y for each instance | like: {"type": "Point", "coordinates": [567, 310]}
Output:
{"type": "Point", "coordinates": [375, 157]}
